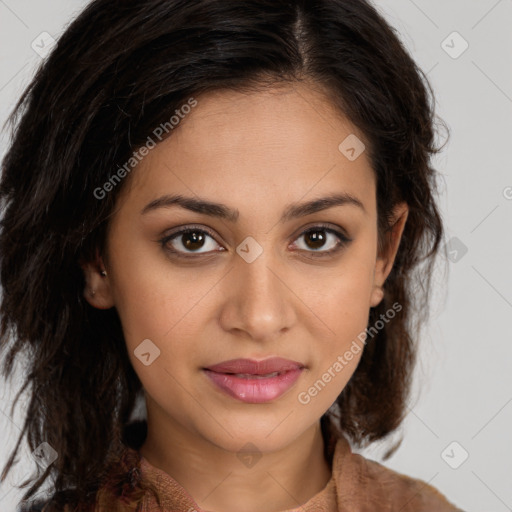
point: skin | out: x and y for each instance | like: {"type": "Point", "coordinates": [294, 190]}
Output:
{"type": "Point", "coordinates": [257, 153]}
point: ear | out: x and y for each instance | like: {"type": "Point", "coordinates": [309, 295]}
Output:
{"type": "Point", "coordinates": [387, 254]}
{"type": "Point", "coordinates": [97, 291]}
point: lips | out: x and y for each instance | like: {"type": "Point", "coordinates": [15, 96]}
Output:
{"type": "Point", "coordinates": [250, 367]}
{"type": "Point", "coordinates": [254, 381]}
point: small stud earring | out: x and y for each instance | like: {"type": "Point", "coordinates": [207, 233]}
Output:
{"type": "Point", "coordinates": [103, 273]}
{"type": "Point", "coordinates": [93, 292]}
{"type": "Point", "coordinates": [380, 295]}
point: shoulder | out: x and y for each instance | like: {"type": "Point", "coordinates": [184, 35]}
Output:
{"type": "Point", "coordinates": [397, 489]}
{"type": "Point", "coordinates": [365, 484]}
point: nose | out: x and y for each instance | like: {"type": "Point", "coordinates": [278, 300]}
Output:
{"type": "Point", "coordinates": [259, 300]}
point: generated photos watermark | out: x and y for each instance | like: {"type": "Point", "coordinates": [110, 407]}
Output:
{"type": "Point", "coordinates": [158, 133]}
{"type": "Point", "coordinates": [342, 361]}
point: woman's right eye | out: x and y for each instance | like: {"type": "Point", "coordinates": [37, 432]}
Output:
{"type": "Point", "coordinates": [188, 239]}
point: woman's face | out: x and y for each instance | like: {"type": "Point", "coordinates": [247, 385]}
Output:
{"type": "Point", "coordinates": [247, 284]}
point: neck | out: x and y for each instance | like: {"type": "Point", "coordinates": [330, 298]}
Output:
{"type": "Point", "coordinates": [218, 481]}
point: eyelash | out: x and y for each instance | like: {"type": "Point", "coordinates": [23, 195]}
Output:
{"type": "Point", "coordinates": [344, 240]}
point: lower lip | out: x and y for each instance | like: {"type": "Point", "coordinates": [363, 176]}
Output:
{"type": "Point", "coordinates": [254, 391]}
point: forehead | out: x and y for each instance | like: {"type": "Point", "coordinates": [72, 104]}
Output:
{"type": "Point", "coordinates": [288, 118]}
{"type": "Point", "coordinates": [275, 145]}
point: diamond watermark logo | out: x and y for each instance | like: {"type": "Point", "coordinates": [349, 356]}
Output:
{"type": "Point", "coordinates": [352, 147]}
{"type": "Point", "coordinates": [249, 249]}
{"type": "Point", "coordinates": [456, 249]}
{"type": "Point", "coordinates": [146, 352]}
{"type": "Point", "coordinates": [249, 455]}
{"type": "Point", "coordinates": [454, 455]}
{"type": "Point", "coordinates": [455, 45]}
{"type": "Point", "coordinates": [43, 44]}
{"type": "Point", "coordinates": [44, 455]}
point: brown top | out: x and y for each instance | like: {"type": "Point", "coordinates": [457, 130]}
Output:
{"type": "Point", "coordinates": [357, 484]}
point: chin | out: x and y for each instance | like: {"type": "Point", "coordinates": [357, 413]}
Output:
{"type": "Point", "coordinates": [267, 435]}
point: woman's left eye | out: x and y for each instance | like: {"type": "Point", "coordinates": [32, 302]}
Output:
{"type": "Point", "coordinates": [317, 237]}
{"type": "Point", "coordinates": [194, 239]}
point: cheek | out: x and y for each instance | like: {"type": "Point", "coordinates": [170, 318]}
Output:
{"type": "Point", "coordinates": [150, 296]}
{"type": "Point", "coordinates": [164, 306]}
{"type": "Point", "coordinates": [342, 297]}
{"type": "Point", "coordinates": [344, 307]}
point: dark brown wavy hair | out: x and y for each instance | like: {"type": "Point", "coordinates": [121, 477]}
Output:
{"type": "Point", "coordinates": [122, 68]}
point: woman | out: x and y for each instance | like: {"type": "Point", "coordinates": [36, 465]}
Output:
{"type": "Point", "coordinates": [220, 208]}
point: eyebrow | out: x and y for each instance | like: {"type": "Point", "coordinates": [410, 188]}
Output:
{"type": "Point", "coordinates": [222, 211]}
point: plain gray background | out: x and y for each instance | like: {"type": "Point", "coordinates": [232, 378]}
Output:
{"type": "Point", "coordinates": [462, 403]}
